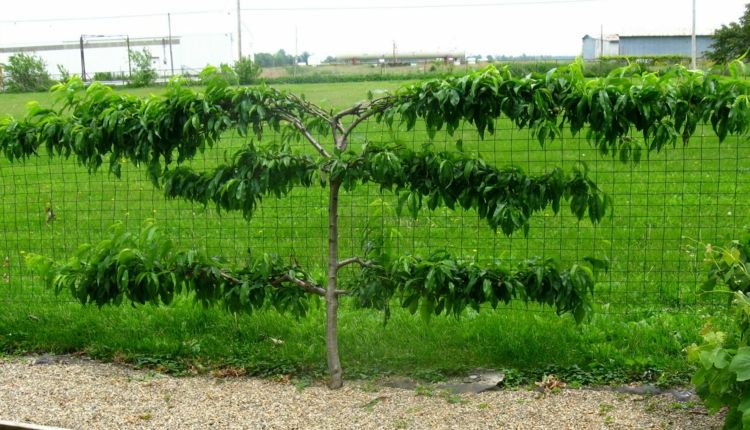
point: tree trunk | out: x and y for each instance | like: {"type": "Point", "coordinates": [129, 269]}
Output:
{"type": "Point", "coordinates": [332, 304]}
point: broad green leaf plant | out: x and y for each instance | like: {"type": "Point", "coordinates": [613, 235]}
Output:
{"type": "Point", "coordinates": [624, 114]}
{"type": "Point", "coordinates": [722, 378]}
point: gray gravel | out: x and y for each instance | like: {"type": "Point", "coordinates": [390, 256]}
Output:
{"type": "Point", "coordinates": [84, 394]}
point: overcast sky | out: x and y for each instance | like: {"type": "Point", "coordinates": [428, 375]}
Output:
{"type": "Point", "coordinates": [331, 27]}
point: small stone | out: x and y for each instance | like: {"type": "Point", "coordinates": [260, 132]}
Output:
{"type": "Point", "coordinates": [682, 395]}
{"type": "Point", "coordinates": [475, 388]}
{"type": "Point", "coordinates": [45, 359]}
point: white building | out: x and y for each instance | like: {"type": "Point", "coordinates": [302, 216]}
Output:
{"type": "Point", "coordinates": [594, 48]}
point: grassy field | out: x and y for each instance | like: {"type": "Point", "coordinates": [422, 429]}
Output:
{"type": "Point", "coordinates": [666, 209]}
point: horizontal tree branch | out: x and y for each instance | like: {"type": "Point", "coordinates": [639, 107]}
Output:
{"type": "Point", "coordinates": [354, 110]}
{"type": "Point", "coordinates": [355, 260]}
{"type": "Point", "coordinates": [305, 285]}
{"type": "Point", "coordinates": [229, 277]}
{"type": "Point", "coordinates": [310, 107]}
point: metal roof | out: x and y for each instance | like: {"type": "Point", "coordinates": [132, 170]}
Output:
{"type": "Point", "coordinates": [93, 43]}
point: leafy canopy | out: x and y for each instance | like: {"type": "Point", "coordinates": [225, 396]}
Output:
{"type": "Point", "coordinates": [623, 114]}
{"type": "Point", "coordinates": [731, 41]}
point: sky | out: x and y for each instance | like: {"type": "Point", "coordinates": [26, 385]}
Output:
{"type": "Point", "coordinates": [338, 27]}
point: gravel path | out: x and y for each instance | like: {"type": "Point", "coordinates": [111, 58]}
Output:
{"type": "Point", "coordinates": [84, 394]}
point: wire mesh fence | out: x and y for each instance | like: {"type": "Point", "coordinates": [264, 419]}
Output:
{"type": "Point", "coordinates": [666, 209]}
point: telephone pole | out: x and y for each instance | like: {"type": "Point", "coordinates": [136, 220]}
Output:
{"type": "Point", "coordinates": [83, 60]}
{"type": "Point", "coordinates": [694, 47]}
{"type": "Point", "coordinates": [239, 32]}
{"type": "Point", "coordinates": [130, 67]}
{"type": "Point", "coordinates": [294, 70]}
{"type": "Point", "coordinates": [171, 57]}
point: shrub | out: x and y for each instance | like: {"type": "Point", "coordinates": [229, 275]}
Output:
{"type": "Point", "coordinates": [64, 73]}
{"type": "Point", "coordinates": [26, 72]}
{"type": "Point", "coordinates": [108, 76]}
{"type": "Point", "coordinates": [228, 74]}
{"type": "Point", "coordinates": [143, 73]}
{"type": "Point", "coordinates": [722, 378]}
{"type": "Point", "coordinates": [247, 71]}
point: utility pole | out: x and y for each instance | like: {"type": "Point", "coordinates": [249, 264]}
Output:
{"type": "Point", "coordinates": [130, 68]}
{"type": "Point", "coordinates": [601, 48]}
{"type": "Point", "coordinates": [171, 57]}
{"type": "Point", "coordinates": [239, 32]}
{"type": "Point", "coordinates": [294, 70]}
{"type": "Point", "coordinates": [694, 47]}
{"type": "Point", "coordinates": [83, 61]}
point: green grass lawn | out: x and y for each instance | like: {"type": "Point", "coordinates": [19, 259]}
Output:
{"type": "Point", "coordinates": [666, 209]}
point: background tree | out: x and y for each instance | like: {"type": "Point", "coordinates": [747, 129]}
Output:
{"type": "Point", "coordinates": [227, 73]}
{"type": "Point", "coordinates": [63, 72]}
{"type": "Point", "coordinates": [164, 133]}
{"type": "Point", "coordinates": [731, 41]}
{"type": "Point", "coordinates": [281, 58]}
{"type": "Point", "coordinates": [144, 73]}
{"type": "Point", "coordinates": [247, 71]}
{"type": "Point", "coordinates": [264, 59]}
{"type": "Point", "coordinates": [303, 57]}
{"type": "Point", "coordinates": [26, 72]}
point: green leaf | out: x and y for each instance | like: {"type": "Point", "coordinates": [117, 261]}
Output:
{"type": "Point", "coordinates": [716, 357]}
{"type": "Point", "coordinates": [741, 364]}
{"type": "Point", "coordinates": [744, 409]}
{"type": "Point", "coordinates": [468, 169]}
{"type": "Point", "coordinates": [412, 303]}
{"type": "Point", "coordinates": [402, 198]}
{"type": "Point", "coordinates": [413, 203]}
{"type": "Point", "coordinates": [446, 173]}
{"type": "Point", "coordinates": [598, 264]}
{"type": "Point", "coordinates": [426, 308]}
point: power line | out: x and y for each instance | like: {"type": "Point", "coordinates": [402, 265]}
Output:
{"type": "Point", "coordinates": [94, 18]}
{"type": "Point", "coordinates": [306, 8]}
{"type": "Point", "coordinates": [421, 6]}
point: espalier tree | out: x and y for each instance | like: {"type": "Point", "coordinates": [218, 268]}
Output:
{"type": "Point", "coordinates": [623, 114]}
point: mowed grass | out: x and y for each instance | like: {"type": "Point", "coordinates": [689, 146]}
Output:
{"type": "Point", "coordinates": [666, 209]}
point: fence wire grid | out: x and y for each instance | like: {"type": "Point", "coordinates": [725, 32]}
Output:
{"type": "Point", "coordinates": [666, 210]}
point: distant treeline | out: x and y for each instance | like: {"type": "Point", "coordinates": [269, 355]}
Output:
{"type": "Point", "coordinates": [321, 75]}
{"type": "Point", "coordinates": [279, 59]}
